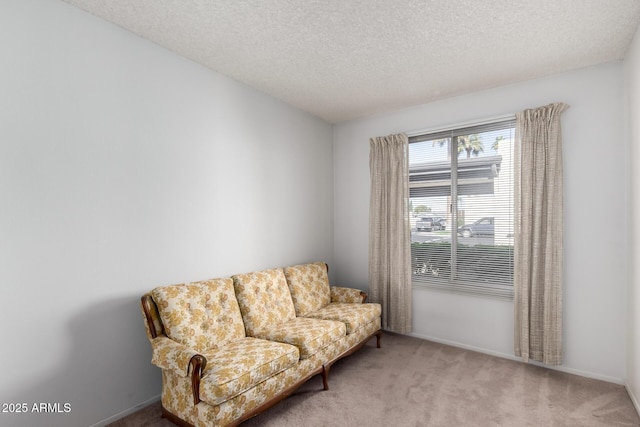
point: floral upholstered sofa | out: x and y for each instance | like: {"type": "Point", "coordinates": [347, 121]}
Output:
{"type": "Point", "coordinates": [229, 348]}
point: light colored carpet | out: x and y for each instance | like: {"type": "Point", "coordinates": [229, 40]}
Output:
{"type": "Point", "coordinates": [413, 382]}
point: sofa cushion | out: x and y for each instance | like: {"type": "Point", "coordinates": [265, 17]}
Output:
{"type": "Point", "coordinates": [240, 365]}
{"type": "Point", "coordinates": [339, 294]}
{"type": "Point", "coordinates": [353, 315]}
{"type": "Point", "coordinates": [264, 299]}
{"type": "Point", "coordinates": [309, 286]}
{"type": "Point", "coordinates": [308, 335]}
{"type": "Point", "coordinates": [200, 315]}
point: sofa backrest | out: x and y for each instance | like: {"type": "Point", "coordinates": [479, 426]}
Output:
{"type": "Point", "coordinates": [309, 287]}
{"type": "Point", "coordinates": [201, 315]}
{"type": "Point", "coordinates": [264, 299]}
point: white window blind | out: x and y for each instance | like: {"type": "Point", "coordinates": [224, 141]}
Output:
{"type": "Point", "coordinates": [461, 188]}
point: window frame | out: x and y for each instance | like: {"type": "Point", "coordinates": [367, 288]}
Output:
{"type": "Point", "coordinates": [453, 284]}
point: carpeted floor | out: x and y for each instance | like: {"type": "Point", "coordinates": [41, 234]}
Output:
{"type": "Point", "coordinates": [413, 382]}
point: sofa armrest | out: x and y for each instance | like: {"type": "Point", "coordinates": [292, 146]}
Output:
{"type": "Point", "coordinates": [350, 295]}
{"type": "Point", "coordinates": [176, 357]}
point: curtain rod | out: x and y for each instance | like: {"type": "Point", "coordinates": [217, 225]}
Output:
{"type": "Point", "coordinates": [502, 117]}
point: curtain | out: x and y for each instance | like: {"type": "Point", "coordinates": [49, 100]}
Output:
{"type": "Point", "coordinates": [538, 248]}
{"type": "Point", "coordinates": [390, 232]}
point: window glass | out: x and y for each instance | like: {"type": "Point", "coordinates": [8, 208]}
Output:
{"type": "Point", "coordinates": [461, 187]}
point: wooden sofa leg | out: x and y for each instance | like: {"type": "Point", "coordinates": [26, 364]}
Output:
{"type": "Point", "coordinates": [378, 336]}
{"type": "Point", "coordinates": [325, 376]}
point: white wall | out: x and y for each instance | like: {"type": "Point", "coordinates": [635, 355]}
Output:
{"type": "Point", "coordinates": [124, 167]}
{"type": "Point", "coordinates": [595, 192]}
{"type": "Point", "coordinates": [632, 74]}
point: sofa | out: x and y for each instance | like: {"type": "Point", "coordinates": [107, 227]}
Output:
{"type": "Point", "coordinates": [230, 348]}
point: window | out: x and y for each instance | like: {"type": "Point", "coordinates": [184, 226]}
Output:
{"type": "Point", "coordinates": [461, 206]}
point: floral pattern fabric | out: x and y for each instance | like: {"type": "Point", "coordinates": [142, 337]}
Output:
{"type": "Point", "coordinates": [313, 297]}
{"type": "Point", "coordinates": [235, 408]}
{"type": "Point", "coordinates": [200, 315]}
{"type": "Point", "coordinates": [309, 335]}
{"type": "Point", "coordinates": [213, 318]}
{"type": "Point", "coordinates": [177, 396]}
{"type": "Point", "coordinates": [242, 364]}
{"type": "Point", "coordinates": [360, 335]}
{"type": "Point", "coordinates": [352, 295]}
{"type": "Point", "coordinates": [352, 315]}
{"type": "Point", "coordinates": [309, 286]}
{"type": "Point", "coordinates": [264, 300]}
{"type": "Point", "coordinates": [169, 354]}
{"type": "Point", "coordinates": [232, 409]}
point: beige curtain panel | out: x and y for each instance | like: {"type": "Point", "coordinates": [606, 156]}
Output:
{"type": "Point", "coordinates": [538, 235]}
{"type": "Point", "coordinates": [389, 231]}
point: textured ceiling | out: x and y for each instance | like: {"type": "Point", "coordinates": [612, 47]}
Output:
{"type": "Point", "coordinates": [343, 59]}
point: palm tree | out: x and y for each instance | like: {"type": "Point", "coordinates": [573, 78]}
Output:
{"type": "Point", "coordinates": [496, 143]}
{"type": "Point", "coordinates": [472, 144]}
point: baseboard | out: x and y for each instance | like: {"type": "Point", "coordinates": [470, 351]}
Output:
{"type": "Point", "coordinates": [126, 412]}
{"type": "Point", "coordinates": [633, 398]}
{"type": "Point", "coordinates": [464, 346]}
{"type": "Point", "coordinates": [578, 372]}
